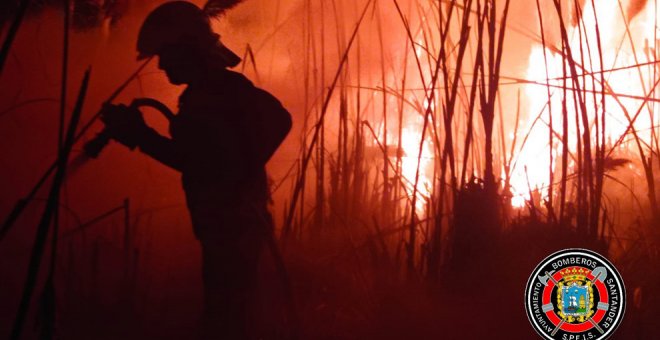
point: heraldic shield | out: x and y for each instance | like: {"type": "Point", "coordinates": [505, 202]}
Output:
{"type": "Point", "coordinates": [575, 296]}
{"type": "Point", "coordinates": [575, 300]}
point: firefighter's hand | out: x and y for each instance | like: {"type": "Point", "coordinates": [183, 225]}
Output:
{"type": "Point", "coordinates": [124, 124]}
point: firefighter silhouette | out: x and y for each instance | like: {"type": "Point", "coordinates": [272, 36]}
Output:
{"type": "Point", "coordinates": [223, 135]}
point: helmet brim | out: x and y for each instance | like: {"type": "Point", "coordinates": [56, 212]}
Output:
{"type": "Point", "coordinates": [143, 56]}
{"type": "Point", "coordinates": [228, 56]}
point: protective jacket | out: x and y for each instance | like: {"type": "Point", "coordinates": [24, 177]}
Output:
{"type": "Point", "coordinates": [225, 132]}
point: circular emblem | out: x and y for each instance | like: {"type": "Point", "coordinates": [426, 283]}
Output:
{"type": "Point", "coordinates": [575, 294]}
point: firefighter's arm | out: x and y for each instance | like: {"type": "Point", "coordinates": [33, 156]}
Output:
{"type": "Point", "coordinates": [126, 125]}
{"type": "Point", "coordinates": [160, 148]}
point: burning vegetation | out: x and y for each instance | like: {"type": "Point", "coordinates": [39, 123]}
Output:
{"type": "Point", "coordinates": [440, 149]}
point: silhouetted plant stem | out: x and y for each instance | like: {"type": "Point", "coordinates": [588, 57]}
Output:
{"type": "Point", "coordinates": [11, 33]}
{"type": "Point", "coordinates": [47, 217]}
{"type": "Point", "coordinates": [21, 204]}
{"type": "Point", "coordinates": [319, 125]}
{"type": "Point", "coordinates": [48, 303]}
{"type": "Point", "coordinates": [551, 172]}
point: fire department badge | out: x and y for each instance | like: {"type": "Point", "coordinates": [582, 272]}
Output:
{"type": "Point", "coordinates": [575, 294]}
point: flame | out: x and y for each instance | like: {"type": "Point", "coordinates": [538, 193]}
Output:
{"type": "Point", "coordinates": [409, 153]}
{"type": "Point", "coordinates": [410, 141]}
{"type": "Point", "coordinates": [619, 52]}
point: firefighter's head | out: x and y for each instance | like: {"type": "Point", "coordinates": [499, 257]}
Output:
{"type": "Point", "coordinates": [180, 34]}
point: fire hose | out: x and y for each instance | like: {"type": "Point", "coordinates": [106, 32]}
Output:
{"type": "Point", "coordinates": [94, 147]}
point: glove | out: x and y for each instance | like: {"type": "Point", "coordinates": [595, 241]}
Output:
{"type": "Point", "coordinates": [124, 124]}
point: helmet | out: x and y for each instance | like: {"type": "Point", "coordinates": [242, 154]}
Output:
{"type": "Point", "coordinates": [177, 22]}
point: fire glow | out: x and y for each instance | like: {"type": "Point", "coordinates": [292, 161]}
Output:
{"type": "Point", "coordinates": [620, 50]}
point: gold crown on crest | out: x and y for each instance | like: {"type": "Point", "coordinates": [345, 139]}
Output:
{"type": "Point", "coordinates": [574, 274]}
